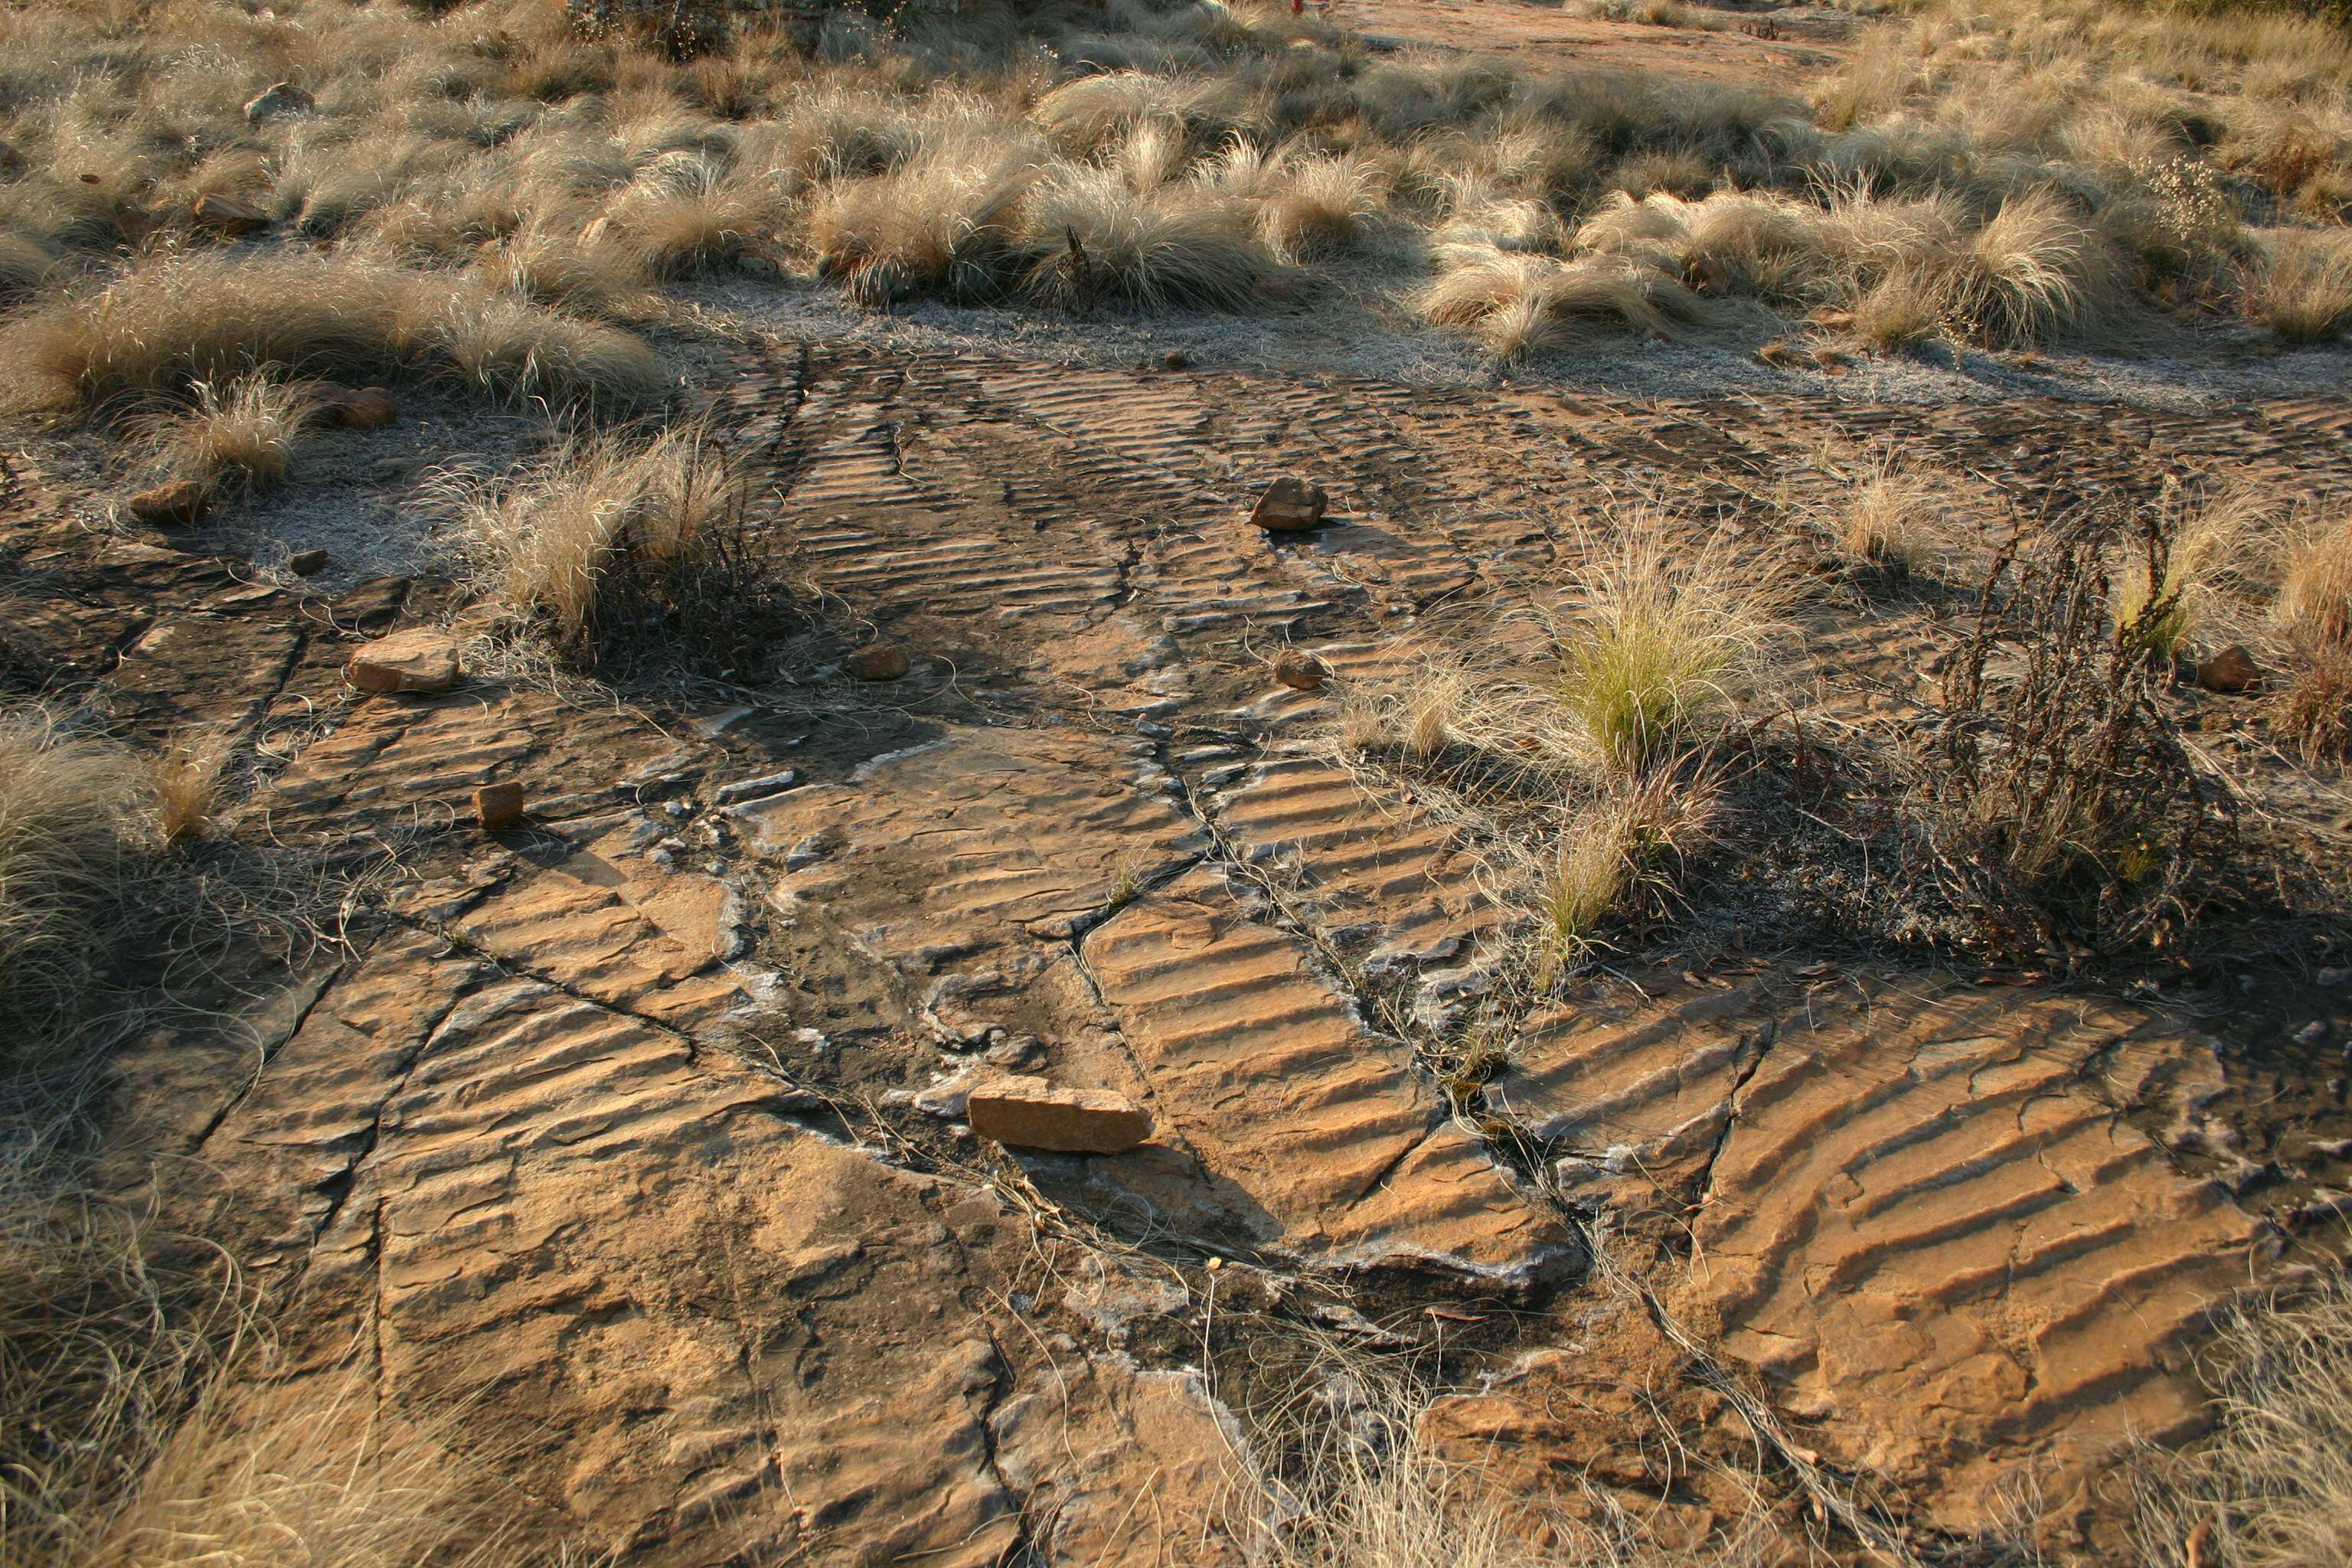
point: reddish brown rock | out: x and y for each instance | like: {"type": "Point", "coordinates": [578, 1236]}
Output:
{"type": "Point", "coordinates": [880, 661]}
{"type": "Point", "coordinates": [417, 659]}
{"type": "Point", "coordinates": [279, 98]}
{"type": "Point", "coordinates": [1301, 671]}
{"type": "Point", "coordinates": [307, 562]}
{"type": "Point", "coordinates": [2232, 669]}
{"type": "Point", "coordinates": [499, 807]}
{"type": "Point", "coordinates": [1029, 1113]}
{"type": "Point", "coordinates": [177, 502]}
{"type": "Point", "coordinates": [227, 214]}
{"type": "Point", "coordinates": [1290, 505]}
{"type": "Point", "coordinates": [367, 408]}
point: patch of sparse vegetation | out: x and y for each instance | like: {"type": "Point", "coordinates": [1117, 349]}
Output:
{"type": "Point", "coordinates": [245, 433]}
{"type": "Point", "coordinates": [2054, 798]}
{"type": "Point", "coordinates": [2271, 1485]}
{"type": "Point", "coordinates": [620, 549]}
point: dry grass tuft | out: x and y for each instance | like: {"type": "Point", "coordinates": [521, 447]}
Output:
{"type": "Point", "coordinates": [190, 778]}
{"type": "Point", "coordinates": [1894, 516]}
{"type": "Point", "coordinates": [2271, 1486]}
{"type": "Point", "coordinates": [619, 549]}
{"type": "Point", "coordinates": [170, 322]}
{"type": "Point", "coordinates": [274, 1474]}
{"type": "Point", "coordinates": [2208, 544]}
{"type": "Point", "coordinates": [74, 818]}
{"type": "Point", "coordinates": [1611, 856]}
{"type": "Point", "coordinates": [246, 432]}
{"type": "Point", "coordinates": [1101, 234]}
{"type": "Point", "coordinates": [1663, 640]}
{"type": "Point", "coordinates": [945, 221]}
{"type": "Point", "coordinates": [2314, 599]}
{"type": "Point", "coordinates": [103, 1341]}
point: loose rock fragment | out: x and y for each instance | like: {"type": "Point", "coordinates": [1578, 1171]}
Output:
{"type": "Point", "coordinates": [1290, 505]}
{"type": "Point", "coordinates": [1301, 671]}
{"type": "Point", "coordinates": [418, 659]}
{"type": "Point", "coordinates": [499, 807]}
{"type": "Point", "coordinates": [227, 214]}
{"type": "Point", "coordinates": [1031, 1113]}
{"type": "Point", "coordinates": [2232, 669]}
{"type": "Point", "coordinates": [368, 408]}
{"type": "Point", "coordinates": [279, 98]}
{"type": "Point", "coordinates": [178, 501]}
{"type": "Point", "coordinates": [307, 562]}
{"type": "Point", "coordinates": [880, 661]}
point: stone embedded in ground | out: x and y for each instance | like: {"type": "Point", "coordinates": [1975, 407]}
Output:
{"type": "Point", "coordinates": [2230, 670]}
{"type": "Point", "coordinates": [279, 98]}
{"type": "Point", "coordinates": [498, 806]}
{"type": "Point", "coordinates": [1290, 505]}
{"type": "Point", "coordinates": [879, 661]}
{"type": "Point", "coordinates": [177, 502]}
{"type": "Point", "coordinates": [307, 562]}
{"type": "Point", "coordinates": [418, 659]}
{"type": "Point", "coordinates": [227, 214]}
{"type": "Point", "coordinates": [1301, 671]}
{"type": "Point", "coordinates": [365, 409]}
{"type": "Point", "coordinates": [1031, 1113]}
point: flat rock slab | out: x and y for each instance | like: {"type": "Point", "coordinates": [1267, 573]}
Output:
{"type": "Point", "coordinates": [1317, 1134]}
{"type": "Point", "coordinates": [1031, 1113]}
{"type": "Point", "coordinates": [1958, 1264]}
{"type": "Point", "coordinates": [418, 659]}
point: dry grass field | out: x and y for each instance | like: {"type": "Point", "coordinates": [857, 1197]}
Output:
{"type": "Point", "coordinates": [1147, 781]}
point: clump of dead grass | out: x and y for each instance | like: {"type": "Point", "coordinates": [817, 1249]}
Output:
{"type": "Point", "coordinates": [246, 432]}
{"type": "Point", "coordinates": [190, 777]}
{"type": "Point", "coordinates": [75, 817]}
{"type": "Point", "coordinates": [1893, 515]}
{"type": "Point", "coordinates": [616, 547]}
{"type": "Point", "coordinates": [108, 1330]}
{"type": "Point", "coordinates": [171, 322]}
{"type": "Point", "coordinates": [2271, 1486]}
{"type": "Point", "coordinates": [2210, 538]}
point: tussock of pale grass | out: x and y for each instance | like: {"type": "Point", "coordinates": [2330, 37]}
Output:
{"type": "Point", "coordinates": [246, 432]}
{"type": "Point", "coordinates": [944, 220]}
{"type": "Point", "coordinates": [1893, 516]}
{"type": "Point", "coordinates": [547, 260]}
{"type": "Point", "coordinates": [75, 817]}
{"type": "Point", "coordinates": [1308, 204]}
{"type": "Point", "coordinates": [268, 1474]}
{"type": "Point", "coordinates": [2271, 1486]}
{"type": "Point", "coordinates": [170, 322]}
{"type": "Point", "coordinates": [107, 1332]}
{"type": "Point", "coordinates": [2202, 578]}
{"type": "Point", "coordinates": [1093, 236]}
{"type": "Point", "coordinates": [541, 546]}
{"type": "Point", "coordinates": [690, 212]}
{"type": "Point", "coordinates": [190, 778]}
{"type": "Point", "coordinates": [1610, 855]}
{"type": "Point", "coordinates": [26, 265]}
{"type": "Point", "coordinates": [1516, 304]}
{"type": "Point", "coordinates": [1664, 639]}
{"type": "Point", "coordinates": [2302, 290]}
{"type": "Point", "coordinates": [2314, 608]}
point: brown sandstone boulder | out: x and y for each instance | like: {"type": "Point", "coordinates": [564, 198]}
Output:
{"type": "Point", "coordinates": [417, 659]}
{"type": "Point", "coordinates": [1301, 671]}
{"type": "Point", "coordinates": [177, 502]}
{"type": "Point", "coordinates": [227, 215]}
{"type": "Point", "coordinates": [279, 98]}
{"type": "Point", "coordinates": [1029, 1113]}
{"type": "Point", "coordinates": [2232, 669]}
{"type": "Point", "coordinates": [880, 661]}
{"type": "Point", "coordinates": [1290, 505]}
{"type": "Point", "coordinates": [499, 807]}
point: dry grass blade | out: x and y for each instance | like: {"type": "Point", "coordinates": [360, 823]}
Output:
{"type": "Point", "coordinates": [189, 780]}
